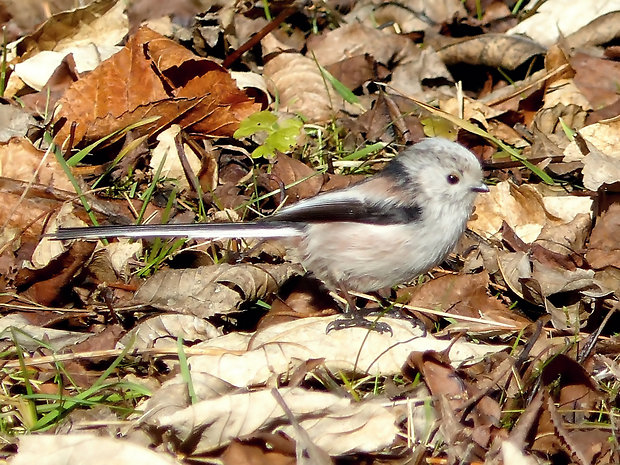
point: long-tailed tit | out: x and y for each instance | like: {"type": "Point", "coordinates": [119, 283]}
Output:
{"type": "Point", "coordinates": [383, 231]}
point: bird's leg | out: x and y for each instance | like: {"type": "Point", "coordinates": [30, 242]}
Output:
{"type": "Point", "coordinates": [394, 310]}
{"type": "Point", "coordinates": [353, 318]}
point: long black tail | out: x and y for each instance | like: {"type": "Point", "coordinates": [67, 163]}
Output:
{"type": "Point", "coordinates": [272, 229]}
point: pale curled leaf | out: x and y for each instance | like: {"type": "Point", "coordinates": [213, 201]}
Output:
{"type": "Point", "coordinates": [28, 335]}
{"type": "Point", "coordinates": [210, 290]}
{"type": "Point", "coordinates": [173, 395]}
{"type": "Point", "coordinates": [408, 15]}
{"type": "Point", "coordinates": [14, 122]}
{"type": "Point", "coordinates": [276, 349]}
{"type": "Point", "coordinates": [602, 163]}
{"type": "Point", "coordinates": [524, 209]}
{"type": "Point", "coordinates": [333, 423]}
{"type": "Point", "coordinates": [74, 449]}
{"type": "Point", "coordinates": [48, 249]}
{"type": "Point", "coordinates": [166, 153]}
{"type": "Point", "coordinates": [162, 331]}
{"type": "Point", "coordinates": [557, 18]}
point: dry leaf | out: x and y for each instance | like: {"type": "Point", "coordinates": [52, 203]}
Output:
{"type": "Point", "coordinates": [165, 156]}
{"type": "Point", "coordinates": [153, 76]}
{"type": "Point", "coordinates": [300, 86]}
{"type": "Point", "coordinates": [27, 335]}
{"type": "Point", "coordinates": [275, 349]}
{"type": "Point", "coordinates": [290, 172]}
{"type": "Point", "coordinates": [162, 331]}
{"type": "Point", "coordinates": [493, 50]}
{"type": "Point", "coordinates": [555, 18]}
{"type": "Point", "coordinates": [602, 163]}
{"type": "Point", "coordinates": [604, 249]}
{"type": "Point", "coordinates": [334, 424]}
{"type": "Point", "coordinates": [521, 207]}
{"type": "Point", "coordinates": [14, 122]}
{"type": "Point", "coordinates": [211, 290]}
{"type": "Point", "coordinates": [84, 448]}
{"type": "Point", "coordinates": [20, 160]}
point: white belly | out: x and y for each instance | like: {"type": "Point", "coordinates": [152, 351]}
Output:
{"type": "Point", "coordinates": [367, 257]}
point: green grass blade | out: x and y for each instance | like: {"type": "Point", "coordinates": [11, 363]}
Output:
{"type": "Point", "coordinates": [185, 372]}
{"type": "Point", "coordinates": [75, 159]}
{"type": "Point", "coordinates": [363, 152]}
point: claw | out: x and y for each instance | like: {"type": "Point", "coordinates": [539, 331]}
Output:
{"type": "Point", "coordinates": [359, 322]}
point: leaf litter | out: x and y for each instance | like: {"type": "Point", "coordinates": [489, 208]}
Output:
{"type": "Point", "coordinates": [171, 351]}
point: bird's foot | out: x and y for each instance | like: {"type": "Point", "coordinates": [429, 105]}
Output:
{"type": "Point", "coordinates": [394, 312]}
{"type": "Point", "coordinates": [358, 321]}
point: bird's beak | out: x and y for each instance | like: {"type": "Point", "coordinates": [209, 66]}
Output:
{"type": "Point", "coordinates": [480, 188]}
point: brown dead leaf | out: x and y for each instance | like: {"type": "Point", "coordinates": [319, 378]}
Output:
{"type": "Point", "coordinates": [307, 299]}
{"type": "Point", "coordinates": [210, 290]}
{"type": "Point", "coordinates": [300, 86]}
{"type": "Point", "coordinates": [64, 26]}
{"type": "Point", "coordinates": [238, 453]}
{"type": "Point", "coordinates": [391, 117]}
{"type": "Point", "coordinates": [492, 50]}
{"type": "Point", "coordinates": [356, 39]}
{"type": "Point", "coordinates": [524, 209]}
{"type": "Point", "coordinates": [90, 34]}
{"type": "Point", "coordinates": [409, 64]}
{"type": "Point", "coordinates": [55, 87]}
{"type": "Point", "coordinates": [578, 392]}
{"type": "Point", "coordinates": [452, 394]}
{"type": "Point", "coordinates": [596, 78]}
{"type": "Point", "coordinates": [439, 376]}
{"type": "Point", "coordinates": [604, 248]}
{"type": "Point", "coordinates": [20, 160]}
{"type": "Point", "coordinates": [464, 295]}
{"type": "Point", "coordinates": [355, 71]}
{"type": "Point", "coordinates": [290, 172]}
{"type": "Point", "coordinates": [47, 285]}
{"type": "Point", "coordinates": [153, 75]}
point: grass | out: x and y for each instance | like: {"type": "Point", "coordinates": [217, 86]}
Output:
{"type": "Point", "coordinates": [29, 409]}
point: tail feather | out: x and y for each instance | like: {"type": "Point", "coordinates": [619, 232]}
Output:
{"type": "Point", "coordinates": [193, 231]}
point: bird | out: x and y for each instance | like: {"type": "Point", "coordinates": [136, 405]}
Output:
{"type": "Point", "coordinates": [383, 231]}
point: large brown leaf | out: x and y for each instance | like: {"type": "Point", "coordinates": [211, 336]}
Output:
{"type": "Point", "coordinates": [153, 76]}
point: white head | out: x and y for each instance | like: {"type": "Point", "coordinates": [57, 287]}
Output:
{"type": "Point", "coordinates": [439, 170]}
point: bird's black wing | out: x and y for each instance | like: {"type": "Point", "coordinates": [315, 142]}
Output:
{"type": "Point", "coordinates": [363, 211]}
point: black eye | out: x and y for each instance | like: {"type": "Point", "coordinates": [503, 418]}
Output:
{"type": "Point", "coordinates": [453, 179]}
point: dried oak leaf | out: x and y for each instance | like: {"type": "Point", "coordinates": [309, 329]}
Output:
{"type": "Point", "coordinates": [153, 76]}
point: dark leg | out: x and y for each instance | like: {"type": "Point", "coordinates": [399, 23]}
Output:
{"type": "Point", "coordinates": [353, 319]}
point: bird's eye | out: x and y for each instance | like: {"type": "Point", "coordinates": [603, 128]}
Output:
{"type": "Point", "coordinates": [453, 179]}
